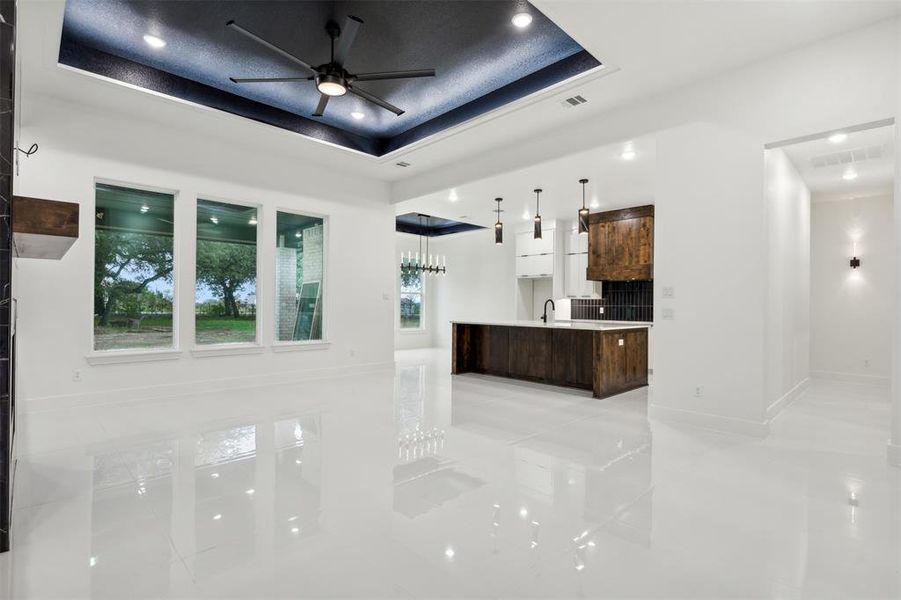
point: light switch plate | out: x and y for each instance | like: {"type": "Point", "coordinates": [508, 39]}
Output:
{"type": "Point", "coordinates": [669, 292]}
{"type": "Point", "coordinates": [622, 342]}
{"type": "Point", "coordinates": [668, 314]}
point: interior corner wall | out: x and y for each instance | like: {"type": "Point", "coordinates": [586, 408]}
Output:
{"type": "Point", "coordinates": [708, 243]}
{"type": "Point", "coordinates": [421, 338]}
{"type": "Point", "coordinates": [55, 298]}
{"type": "Point", "coordinates": [788, 281]}
{"type": "Point", "coordinates": [480, 284]}
{"type": "Point", "coordinates": [852, 308]}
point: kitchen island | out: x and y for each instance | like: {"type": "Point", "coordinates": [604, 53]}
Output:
{"type": "Point", "coordinates": [605, 358]}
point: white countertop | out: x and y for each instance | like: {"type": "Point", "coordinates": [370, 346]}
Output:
{"type": "Point", "coordinates": [586, 325]}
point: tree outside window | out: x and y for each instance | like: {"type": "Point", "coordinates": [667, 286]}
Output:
{"type": "Point", "coordinates": [133, 266]}
{"type": "Point", "coordinates": [226, 272]}
{"type": "Point", "coordinates": [411, 296]}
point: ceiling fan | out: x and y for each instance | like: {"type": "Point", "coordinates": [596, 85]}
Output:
{"type": "Point", "coordinates": [331, 78]}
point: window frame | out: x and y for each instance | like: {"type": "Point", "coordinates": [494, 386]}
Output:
{"type": "Point", "coordinates": [120, 355]}
{"type": "Point", "coordinates": [422, 306]}
{"type": "Point", "coordinates": [290, 345]}
{"type": "Point", "coordinates": [228, 348]}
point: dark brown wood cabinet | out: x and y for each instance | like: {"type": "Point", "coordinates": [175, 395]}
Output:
{"type": "Point", "coordinates": [624, 361]}
{"type": "Point", "coordinates": [621, 244]}
{"type": "Point", "coordinates": [608, 362]}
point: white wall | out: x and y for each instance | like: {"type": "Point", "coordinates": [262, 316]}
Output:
{"type": "Point", "coordinates": [788, 281]}
{"type": "Point", "coordinates": [480, 282]}
{"type": "Point", "coordinates": [708, 244]}
{"type": "Point", "coordinates": [410, 339]}
{"type": "Point", "coordinates": [55, 297]}
{"type": "Point", "coordinates": [852, 309]}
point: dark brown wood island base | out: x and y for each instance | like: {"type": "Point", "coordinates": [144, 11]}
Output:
{"type": "Point", "coordinates": [607, 359]}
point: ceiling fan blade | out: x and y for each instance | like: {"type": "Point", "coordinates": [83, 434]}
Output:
{"type": "Point", "coordinates": [346, 39]}
{"type": "Point", "coordinates": [323, 102]}
{"type": "Point", "coordinates": [393, 75]}
{"type": "Point", "coordinates": [273, 47]}
{"type": "Point", "coordinates": [267, 79]}
{"type": "Point", "coordinates": [375, 100]}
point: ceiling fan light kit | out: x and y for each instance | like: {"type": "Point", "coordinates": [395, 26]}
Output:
{"type": "Point", "coordinates": [331, 79]}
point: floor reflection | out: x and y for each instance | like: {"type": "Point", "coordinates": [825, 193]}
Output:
{"type": "Point", "coordinates": [421, 485]}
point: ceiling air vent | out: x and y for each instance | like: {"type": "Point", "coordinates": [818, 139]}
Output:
{"type": "Point", "coordinates": [402, 164]}
{"type": "Point", "coordinates": [855, 155]}
{"type": "Point", "coordinates": [573, 101]}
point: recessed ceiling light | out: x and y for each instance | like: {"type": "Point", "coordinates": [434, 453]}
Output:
{"type": "Point", "coordinates": [525, 215]}
{"type": "Point", "coordinates": [449, 552]}
{"type": "Point", "coordinates": [357, 115]}
{"type": "Point", "coordinates": [453, 196]}
{"type": "Point", "coordinates": [522, 20]}
{"type": "Point", "coordinates": [628, 154]}
{"type": "Point", "coordinates": [154, 42]}
{"type": "Point", "coordinates": [850, 175]}
{"type": "Point", "coordinates": [217, 517]}
{"type": "Point", "coordinates": [250, 492]}
{"type": "Point", "coordinates": [838, 138]}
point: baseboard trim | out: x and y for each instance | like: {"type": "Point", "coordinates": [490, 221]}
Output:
{"type": "Point", "coordinates": [790, 396]}
{"type": "Point", "coordinates": [717, 423]}
{"type": "Point", "coordinates": [882, 381]}
{"type": "Point", "coordinates": [170, 390]}
{"type": "Point", "coordinates": [893, 453]}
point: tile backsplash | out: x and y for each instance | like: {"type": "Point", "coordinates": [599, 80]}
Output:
{"type": "Point", "coordinates": [621, 301]}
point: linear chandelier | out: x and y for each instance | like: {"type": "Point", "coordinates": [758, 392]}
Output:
{"type": "Point", "coordinates": [411, 263]}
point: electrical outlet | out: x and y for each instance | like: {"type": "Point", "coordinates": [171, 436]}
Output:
{"type": "Point", "coordinates": [668, 314]}
{"type": "Point", "coordinates": [866, 363]}
{"type": "Point", "coordinates": [601, 309]}
{"type": "Point", "coordinates": [699, 391]}
{"type": "Point", "coordinates": [669, 292]}
{"type": "Point", "coordinates": [76, 375]}
{"type": "Point", "coordinates": [353, 352]}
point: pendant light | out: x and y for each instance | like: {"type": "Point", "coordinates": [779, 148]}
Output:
{"type": "Point", "coordinates": [498, 227]}
{"type": "Point", "coordinates": [537, 213]}
{"type": "Point", "coordinates": [583, 212]}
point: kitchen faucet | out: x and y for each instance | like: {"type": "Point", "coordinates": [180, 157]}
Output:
{"type": "Point", "coordinates": [554, 308]}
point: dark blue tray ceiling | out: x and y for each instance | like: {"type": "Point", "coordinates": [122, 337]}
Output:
{"type": "Point", "coordinates": [482, 60]}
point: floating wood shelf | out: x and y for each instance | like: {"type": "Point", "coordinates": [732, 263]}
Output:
{"type": "Point", "coordinates": [43, 228]}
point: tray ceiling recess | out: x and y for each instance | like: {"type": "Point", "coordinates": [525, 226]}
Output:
{"type": "Point", "coordinates": [371, 76]}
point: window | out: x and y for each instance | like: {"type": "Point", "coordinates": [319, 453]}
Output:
{"type": "Point", "coordinates": [299, 277]}
{"type": "Point", "coordinates": [133, 263]}
{"type": "Point", "coordinates": [411, 285]}
{"type": "Point", "coordinates": [225, 294]}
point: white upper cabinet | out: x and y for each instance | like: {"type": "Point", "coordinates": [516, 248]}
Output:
{"type": "Point", "coordinates": [575, 266]}
{"type": "Point", "coordinates": [535, 258]}
{"type": "Point", "coordinates": [526, 245]}
{"type": "Point", "coordinates": [576, 243]}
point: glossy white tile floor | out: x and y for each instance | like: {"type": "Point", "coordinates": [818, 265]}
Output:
{"type": "Point", "coordinates": [420, 485]}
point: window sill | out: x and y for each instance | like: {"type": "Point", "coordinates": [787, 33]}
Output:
{"type": "Point", "coordinates": [298, 346]}
{"type": "Point", "coordinates": [118, 357]}
{"type": "Point", "coordinates": [419, 331]}
{"type": "Point", "coordinates": [226, 350]}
